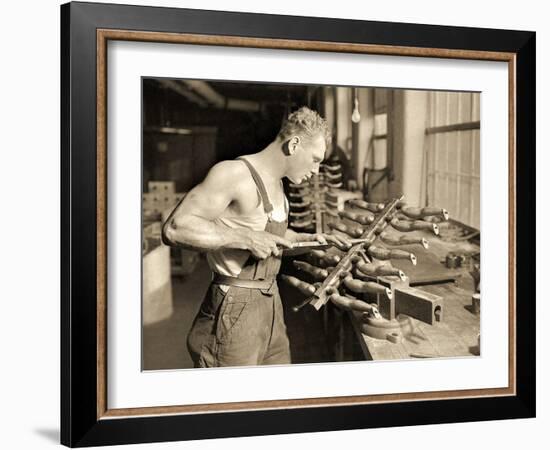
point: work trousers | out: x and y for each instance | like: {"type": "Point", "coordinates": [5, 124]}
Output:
{"type": "Point", "coordinates": [240, 327]}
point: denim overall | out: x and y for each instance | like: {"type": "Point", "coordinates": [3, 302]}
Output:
{"type": "Point", "coordinates": [245, 324]}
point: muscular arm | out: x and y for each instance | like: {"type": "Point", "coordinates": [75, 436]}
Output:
{"type": "Point", "coordinates": [191, 224]}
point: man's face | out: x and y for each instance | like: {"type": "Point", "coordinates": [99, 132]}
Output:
{"type": "Point", "coordinates": [305, 157]}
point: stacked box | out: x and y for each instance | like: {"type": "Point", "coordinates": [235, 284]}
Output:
{"type": "Point", "coordinates": [154, 202]}
{"type": "Point", "coordinates": [162, 187]}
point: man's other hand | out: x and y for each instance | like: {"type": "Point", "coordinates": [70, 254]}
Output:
{"type": "Point", "coordinates": [341, 242]}
{"type": "Point", "coordinates": [263, 244]}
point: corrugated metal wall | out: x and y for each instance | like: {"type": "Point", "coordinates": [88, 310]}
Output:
{"type": "Point", "coordinates": [453, 155]}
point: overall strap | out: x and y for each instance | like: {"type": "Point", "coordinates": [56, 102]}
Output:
{"type": "Point", "coordinates": [268, 207]}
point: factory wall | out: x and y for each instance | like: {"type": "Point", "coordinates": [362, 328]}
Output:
{"type": "Point", "coordinates": [343, 119]}
{"type": "Point", "coordinates": [409, 126]}
{"type": "Point", "coordinates": [403, 120]}
{"type": "Point", "coordinates": [422, 144]}
{"type": "Point", "coordinates": [366, 132]}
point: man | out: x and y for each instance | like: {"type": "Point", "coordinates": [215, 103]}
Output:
{"type": "Point", "coordinates": [238, 215]}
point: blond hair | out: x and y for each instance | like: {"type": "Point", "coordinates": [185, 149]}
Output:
{"type": "Point", "coordinates": [306, 123]}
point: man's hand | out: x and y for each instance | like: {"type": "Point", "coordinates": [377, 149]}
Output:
{"type": "Point", "coordinates": [263, 244]}
{"type": "Point", "coordinates": [339, 241]}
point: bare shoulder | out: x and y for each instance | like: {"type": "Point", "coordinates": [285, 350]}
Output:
{"type": "Point", "coordinates": [227, 172]}
{"type": "Point", "coordinates": [225, 186]}
{"type": "Point", "coordinates": [233, 181]}
{"type": "Point", "coordinates": [231, 177]}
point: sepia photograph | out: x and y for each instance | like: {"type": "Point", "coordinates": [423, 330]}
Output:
{"type": "Point", "coordinates": [301, 224]}
{"type": "Point", "coordinates": [271, 224]}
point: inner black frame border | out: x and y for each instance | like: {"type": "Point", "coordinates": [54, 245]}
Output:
{"type": "Point", "coordinates": [79, 423]}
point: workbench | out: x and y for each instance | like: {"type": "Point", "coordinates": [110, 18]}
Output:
{"type": "Point", "coordinates": [457, 333]}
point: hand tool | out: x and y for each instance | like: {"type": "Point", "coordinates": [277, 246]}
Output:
{"type": "Point", "coordinates": [354, 232]}
{"type": "Point", "coordinates": [371, 270]}
{"type": "Point", "coordinates": [364, 286]}
{"type": "Point", "coordinates": [404, 225]}
{"type": "Point", "coordinates": [333, 176]}
{"type": "Point", "coordinates": [302, 286]}
{"type": "Point", "coordinates": [316, 272]}
{"type": "Point", "coordinates": [418, 213]}
{"type": "Point", "coordinates": [304, 223]}
{"type": "Point", "coordinates": [299, 248]}
{"type": "Point", "coordinates": [402, 240]}
{"type": "Point", "coordinates": [372, 207]}
{"type": "Point", "coordinates": [299, 194]}
{"type": "Point", "coordinates": [300, 213]}
{"type": "Point", "coordinates": [363, 219]}
{"type": "Point", "coordinates": [351, 304]}
{"type": "Point", "coordinates": [324, 259]}
{"type": "Point", "coordinates": [299, 204]}
{"type": "Point", "coordinates": [384, 253]}
{"type": "Point", "coordinates": [332, 168]}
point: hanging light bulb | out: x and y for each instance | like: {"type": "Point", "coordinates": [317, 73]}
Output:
{"type": "Point", "coordinates": [355, 116]}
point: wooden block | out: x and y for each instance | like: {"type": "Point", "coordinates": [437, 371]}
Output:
{"type": "Point", "coordinates": [418, 304]}
{"type": "Point", "coordinates": [386, 306]}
